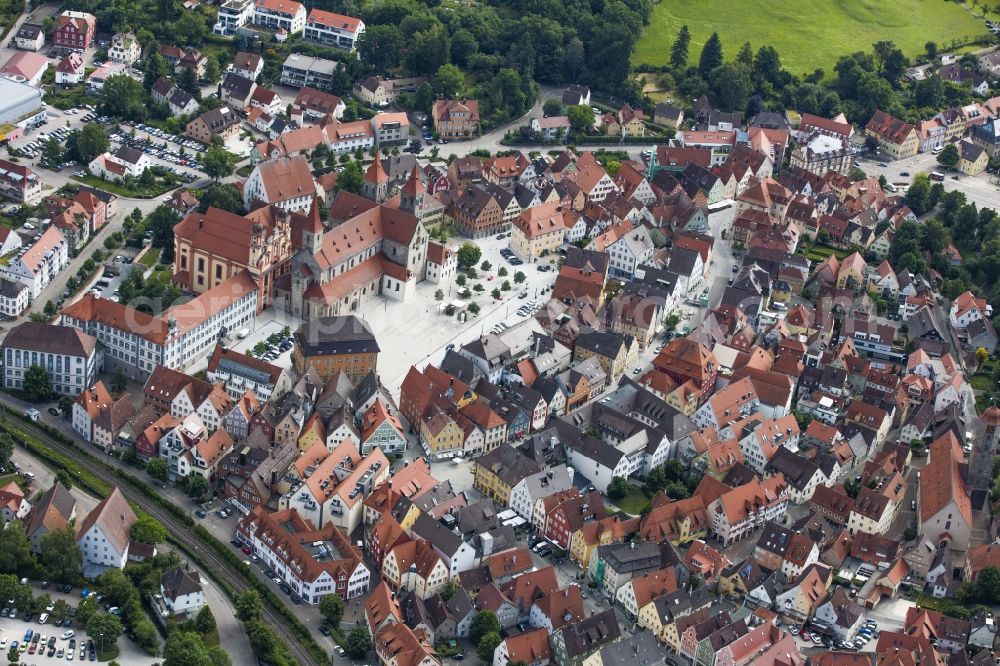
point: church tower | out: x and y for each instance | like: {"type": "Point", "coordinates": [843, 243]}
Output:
{"type": "Point", "coordinates": [376, 184]}
{"type": "Point", "coordinates": [411, 197]}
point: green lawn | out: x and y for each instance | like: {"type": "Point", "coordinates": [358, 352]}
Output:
{"type": "Point", "coordinates": [807, 34]}
{"type": "Point", "coordinates": [140, 192]}
{"type": "Point", "coordinates": [981, 383]}
{"type": "Point", "coordinates": [149, 259]}
{"type": "Point", "coordinates": [634, 502]}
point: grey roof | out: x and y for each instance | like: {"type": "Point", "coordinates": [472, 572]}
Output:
{"type": "Point", "coordinates": [51, 339]}
{"type": "Point", "coordinates": [460, 367]}
{"type": "Point", "coordinates": [443, 539]}
{"type": "Point", "coordinates": [574, 94]}
{"type": "Point", "coordinates": [237, 86]}
{"type": "Point", "coordinates": [608, 345]}
{"type": "Point", "coordinates": [9, 289]}
{"type": "Point", "coordinates": [683, 261]}
{"type": "Point", "coordinates": [130, 155]}
{"type": "Point", "coordinates": [630, 557]}
{"type": "Point", "coordinates": [640, 649]}
{"type": "Point", "coordinates": [797, 470]}
{"type": "Point", "coordinates": [336, 335]}
{"type": "Point", "coordinates": [178, 582]}
{"type": "Point", "coordinates": [588, 635]}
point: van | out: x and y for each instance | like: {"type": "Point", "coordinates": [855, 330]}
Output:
{"type": "Point", "coordinates": [890, 187]}
{"type": "Point", "coordinates": [43, 618]}
{"type": "Point", "coordinates": [779, 306]}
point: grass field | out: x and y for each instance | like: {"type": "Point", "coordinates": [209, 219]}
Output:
{"type": "Point", "coordinates": [634, 502]}
{"type": "Point", "coordinates": [807, 34]}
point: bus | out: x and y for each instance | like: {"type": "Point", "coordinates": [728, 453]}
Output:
{"type": "Point", "coordinates": [936, 175]}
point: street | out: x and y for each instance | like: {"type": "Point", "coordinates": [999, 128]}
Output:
{"type": "Point", "coordinates": [983, 190]}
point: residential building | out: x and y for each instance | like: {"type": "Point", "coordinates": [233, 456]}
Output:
{"type": "Point", "coordinates": [103, 536]}
{"type": "Point", "coordinates": [313, 562]}
{"type": "Point", "coordinates": [454, 119]}
{"type": "Point", "coordinates": [19, 183]}
{"type": "Point", "coordinates": [285, 182]}
{"type": "Point", "coordinates": [278, 15]}
{"type": "Point", "coordinates": [241, 373]}
{"type": "Point", "coordinates": [945, 496]}
{"type": "Point", "coordinates": [70, 70]}
{"type": "Point", "coordinates": [27, 66]}
{"type": "Point", "coordinates": [74, 30]}
{"type": "Point", "coordinates": [54, 510]}
{"type": "Point", "coordinates": [233, 15]}
{"type": "Point", "coordinates": [378, 91]}
{"type": "Point", "coordinates": [333, 29]}
{"type": "Point", "coordinates": [181, 591]}
{"type": "Point", "coordinates": [897, 138]}
{"type": "Point", "coordinates": [40, 263]}
{"type": "Point", "coordinates": [538, 231]}
{"type": "Point", "coordinates": [300, 70]}
{"type": "Point", "coordinates": [30, 37]}
{"type": "Point", "coordinates": [124, 49]}
{"type": "Point", "coordinates": [221, 122]}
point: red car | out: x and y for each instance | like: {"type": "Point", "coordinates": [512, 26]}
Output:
{"type": "Point", "coordinates": [489, 278]}
{"type": "Point", "coordinates": [246, 550]}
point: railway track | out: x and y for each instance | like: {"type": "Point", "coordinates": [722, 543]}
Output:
{"type": "Point", "coordinates": [184, 536]}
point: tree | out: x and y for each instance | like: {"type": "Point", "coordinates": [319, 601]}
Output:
{"type": "Point", "coordinates": [204, 621]}
{"type": "Point", "coordinates": [37, 386]}
{"type": "Point", "coordinates": [618, 488]}
{"type": "Point", "coordinates": [6, 448]}
{"type": "Point", "coordinates": [221, 195]}
{"type": "Point", "coordinates": [218, 163]}
{"type": "Point", "coordinates": [104, 629]}
{"type": "Point", "coordinates": [197, 486]}
{"type": "Point", "coordinates": [63, 477]}
{"type": "Point", "coordinates": [358, 643]}
{"type": "Point", "coordinates": [519, 277]}
{"type": "Point", "coordinates": [711, 56]}
{"type": "Point", "coordinates": [930, 48]}
{"type": "Point", "coordinates": [486, 265]}
{"type": "Point", "coordinates": [249, 606]}
{"type": "Point", "coordinates": [212, 70]}
{"type": "Point", "coordinates": [147, 529]}
{"type": "Point", "coordinates": [679, 50]}
{"type": "Point", "coordinates": [473, 309]}
{"type": "Point", "coordinates": [85, 610]}
{"type": "Point", "coordinates": [15, 550]}
{"type": "Point", "coordinates": [146, 635]}
{"type": "Point", "coordinates": [448, 81]}
{"type": "Point", "coordinates": [918, 197]}
{"type": "Point", "coordinates": [731, 86]}
{"type": "Point", "coordinates": [495, 294]}
{"type": "Point", "coordinates": [123, 97]}
{"type": "Point", "coordinates": [351, 178]}
{"type": "Point", "coordinates": [331, 607]}
{"type": "Point", "coordinates": [982, 355]}
{"type": "Point", "coordinates": [158, 469]}
{"type": "Point", "coordinates": [379, 46]}
{"type": "Point", "coordinates": [119, 383]}
{"type": "Point", "coordinates": [581, 117]}
{"type": "Point", "coordinates": [483, 623]}
{"type": "Point", "coordinates": [988, 585]}
{"type": "Point", "coordinates": [553, 107]}
{"type": "Point", "coordinates": [439, 295]}
{"type": "Point", "coordinates": [185, 648]}
{"type": "Point", "coordinates": [468, 255]}
{"type": "Point", "coordinates": [502, 271]}
{"type": "Point", "coordinates": [487, 645]}
{"type": "Point", "coordinates": [948, 157]}
{"type": "Point", "coordinates": [91, 141]}
{"type": "Point", "coordinates": [52, 151]}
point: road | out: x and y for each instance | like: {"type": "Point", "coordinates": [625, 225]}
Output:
{"type": "Point", "coordinates": [982, 189]}
{"type": "Point", "coordinates": [180, 533]}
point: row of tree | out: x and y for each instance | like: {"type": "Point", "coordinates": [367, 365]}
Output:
{"type": "Point", "coordinates": [860, 83]}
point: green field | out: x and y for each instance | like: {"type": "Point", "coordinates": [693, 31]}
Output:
{"type": "Point", "coordinates": [807, 34]}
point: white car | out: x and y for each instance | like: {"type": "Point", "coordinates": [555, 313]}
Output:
{"type": "Point", "coordinates": [68, 635]}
